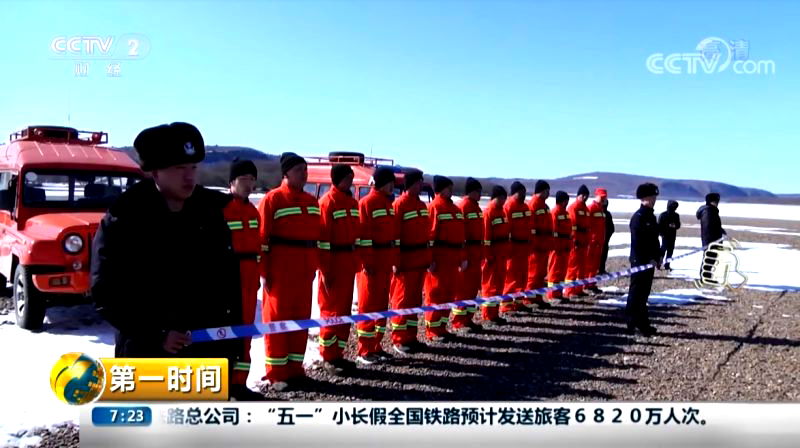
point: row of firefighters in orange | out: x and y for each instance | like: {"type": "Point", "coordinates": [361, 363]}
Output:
{"type": "Point", "coordinates": [399, 252]}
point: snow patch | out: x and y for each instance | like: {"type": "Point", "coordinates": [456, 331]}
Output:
{"type": "Point", "coordinates": [769, 267]}
{"type": "Point", "coordinates": [25, 379]}
{"type": "Point", "coordinates": [670, 297]}
{"type": "Point", "coordinates": [687, 209]}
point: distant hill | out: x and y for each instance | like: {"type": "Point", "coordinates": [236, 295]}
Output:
{"type": "Point", "coordinates": [215, 168]}
{"type": "Point", "coordinates": [214, 172]}
{"type": "Point", "coordinates": [624, 186]}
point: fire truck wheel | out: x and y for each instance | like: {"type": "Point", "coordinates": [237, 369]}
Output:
{"type": "Point", "coordinates": [28, 302]}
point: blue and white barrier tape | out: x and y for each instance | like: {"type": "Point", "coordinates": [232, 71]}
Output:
{"type": "Point", "coordinates": [286, 326]}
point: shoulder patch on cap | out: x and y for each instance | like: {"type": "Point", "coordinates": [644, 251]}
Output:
{"type": "Point", "coordinates": [189, 148]}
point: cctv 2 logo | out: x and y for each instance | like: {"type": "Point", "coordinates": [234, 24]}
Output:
{"type": "Point", "coordinates": [124, 47]}
{"type": "Point", "coordinates": [712, 55]}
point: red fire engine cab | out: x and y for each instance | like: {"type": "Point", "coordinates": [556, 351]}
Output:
{"type": "Point", "coordinates": [319, 174]}
{"type": "Point", "coordinates": [56, 183]}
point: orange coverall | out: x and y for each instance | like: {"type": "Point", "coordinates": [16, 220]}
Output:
{"type": "Point", "coordinates": [597, 239]}
{"type": "Point", "coordinates": [243, 221]}
{"type": "Point", "coordinates": [562, 242]}
{"type": "Point", "coordinates": [441, 285]}
{"type": "Point", "coordinates": [290, 231]}
{"type": "Point", "coordinates": [338, 266]}
{"type": "Point", "coordinates": [470, 283]}
{"type": "Point", "coordinates": [413, 262]}
{"type": "Point", "coordinates": [379, 254]}
{"type": "Point", "coordinates": [519, 216]}
{"type": "Point", "coordinates": [497, 230]}
{"type": "Point", "coordinates": [541, 243]}
{"type": "Point", "coordinates": [579, 215]}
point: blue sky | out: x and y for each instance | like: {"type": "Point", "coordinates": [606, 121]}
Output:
{"type": "Point", "coordinates": [534, 89]}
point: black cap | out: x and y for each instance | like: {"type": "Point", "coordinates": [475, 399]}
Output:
{"type": "Point", "coordinates": [242, 168]}
{"type": "Point", "coordinates": [672, 205]}
{"type": "Point", "coordinates": [169, 145]}
{"type": "Point", "coordinates": [646, 189]}
{"type": "Point", "coordinates": [499, 192]}
{"type": "Point", "coordinates": [583, 191]}
{"type": "Point", "coordinates": [440, 183]}
{"type": "Point", "coordinates": [383, 175]}
{"type": "Point", "coordinates": [517, 187]}
{"type": "Point", "coordinates": [472, 185]}
{"type": "Point", "coordinates": [712, 197]}
{"type": "Point", "coordinates": [562, 197]}
{"type": "Point", "coordinates": [289, 160]}
{"type": "Point", "coordinates": [412, 177]}
{"type": "Point", "coordinates": [540, 186]}
{"type": "Point", "coordinates": [339, 172]}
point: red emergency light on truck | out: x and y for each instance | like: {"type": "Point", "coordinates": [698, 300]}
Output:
{"type": "Point", "coordinates": [56, 183]}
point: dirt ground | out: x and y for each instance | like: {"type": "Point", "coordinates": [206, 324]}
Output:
{"type": "Point", "coordinates": [747, 349]}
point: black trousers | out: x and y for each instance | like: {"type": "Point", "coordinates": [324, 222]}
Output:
{"type": "Point", "coordinates": [604, 258]}
{"type": "Point", "coordinates": [636, 309]}
{"type": "Point", "coordinates": [667, 247]}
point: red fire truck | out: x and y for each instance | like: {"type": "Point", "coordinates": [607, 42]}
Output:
{"type": "Point", "coordinates": [55, 185]}
{"type": "Point", "coordinates": [319, 173]}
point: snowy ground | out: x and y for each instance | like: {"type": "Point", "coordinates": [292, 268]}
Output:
{"type": "Point", "coordinates": [26, 382]}
{"type": "Point", "coordinates": [688, 208]}
{"type": "Point", "coordinates": [726, 210]}
{"type": "Point", "coordinates": [770, 267]}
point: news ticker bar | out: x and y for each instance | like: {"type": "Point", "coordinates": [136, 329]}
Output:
{"type": "Point", "coordinates": [463, 424]}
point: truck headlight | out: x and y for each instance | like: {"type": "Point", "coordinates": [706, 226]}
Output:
{"type": "Point", "coordinates": [73, 244]}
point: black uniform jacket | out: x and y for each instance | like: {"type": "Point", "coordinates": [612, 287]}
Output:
{"type": "Point", "coordinates": [644, 237]}
{"type": "Point", "coordinates": [668, 224]}
{"type": "Point", "coordinates": [609, 226]}
{"type": "Point", "coordinates": [710, 224]}
{"type": "Point", "coordinates": [154, 270]}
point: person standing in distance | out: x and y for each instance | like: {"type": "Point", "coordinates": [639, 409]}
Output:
{"type": "Point", "coordinates": [496, 231]}
{"type": "Point", "coordinates": [645, 249]}
{"type": "Point", "coordinates": [669, 223]}
{"type": "Point", "coordinates": [469, 286]}
{"type": "Point", "coordinates": [338, 266]}
{"type": "Point", "coordinates": [519, 216]}
{"type": "Point", "coordinates": [562, 244]}
{"type": "Point", "coordinates": [710, 223]}
{"type": "Point", "coordinates": [378, 252]}
{"type": "Point", "coordinates": [449, 258]}
{"type": "Point", "coordinates": [243, 221]}
{"type": "Point", "coordinates": [413, 262]}
{"type": "Point", "coordinates": [290, 232]}
{"type": "Point", "coordinates": [579, 216]}
{"type": "Point", "coordinates": [541, 241]}
{"type": "Point", "coordinates": [609, 231]}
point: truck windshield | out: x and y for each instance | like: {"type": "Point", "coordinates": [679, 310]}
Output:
{"type": "Point", "coordinates": [74, 189]}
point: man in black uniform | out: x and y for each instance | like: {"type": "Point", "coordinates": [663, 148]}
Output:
{"type": "Point", "coordinates": [609, 231]}
{"type": "Point", "coordinates": [710, 223]}
{"type": "Point", "coordinates": [668, 224]}
{"type": "Point", "coordinates": [162, 259]}
{"type": "Point", "coordinates": [644, 250]}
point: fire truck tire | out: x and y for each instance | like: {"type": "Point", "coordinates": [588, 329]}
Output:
{"type": "Point", "coordinates": [29, 304]}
